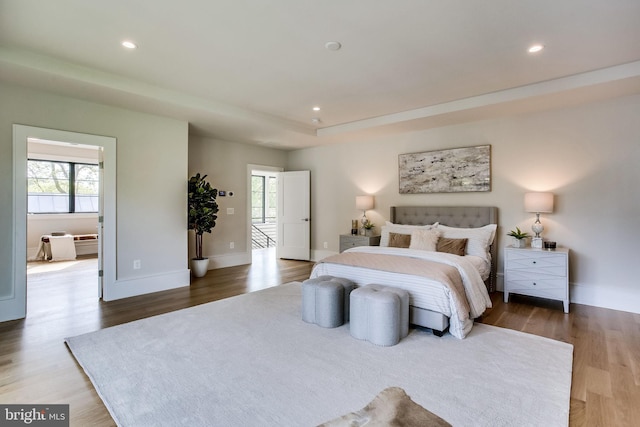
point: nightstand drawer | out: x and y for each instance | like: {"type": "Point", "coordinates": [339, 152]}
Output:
{"type": "Point", "coordinates": [537, 287]}
{"type": "Point", "coordinates": [526, 283]}
{"type": "Point", "coordinates": [537, 262]}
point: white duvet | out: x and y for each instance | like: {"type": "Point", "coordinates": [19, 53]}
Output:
{"type": "Point", "coordinates": [424, 293]}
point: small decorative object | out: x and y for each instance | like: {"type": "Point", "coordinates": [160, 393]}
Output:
{"type": "Point", "coordinates": [202, 209]}
{"type": "Point", "coordinates": [519, 237]}
{"type": "Point", "coordinates": [446, 171]}
{"type": "Point", "coordinates": [538, 203]}
{"type": "Point", "coordinates": [550, 246]}
{"type": "Point", "coordinates": [364, 203]}
{"type": "Point", "coordinates": [354, 227]}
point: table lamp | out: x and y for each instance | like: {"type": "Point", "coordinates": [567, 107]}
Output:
{"type": "Point", "coordinates": [538, 203]}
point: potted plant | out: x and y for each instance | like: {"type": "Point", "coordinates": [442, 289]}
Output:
{"type": "Point", "coordinates": [368, 227]}
{"type": "Point", "coordinates": [519, 238]}
{"type": "Point", "coordinates": [202, 209]}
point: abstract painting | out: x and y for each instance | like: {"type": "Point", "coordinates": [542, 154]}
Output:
{"type": "Point", "coordinates": [446, 171]}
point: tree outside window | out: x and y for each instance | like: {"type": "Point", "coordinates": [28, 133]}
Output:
{"type": "Point", "coordinates": [62, 187]}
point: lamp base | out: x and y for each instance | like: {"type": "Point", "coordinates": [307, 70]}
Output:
{"type": "Point", "coordinates": [536, 242]}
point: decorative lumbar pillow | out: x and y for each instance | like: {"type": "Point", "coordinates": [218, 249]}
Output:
{"type": "Point", "coordinates": [390, 227]}
{"type": "Point", "coordinates": [452, 246]}
{"type": "Point", "coordinates": [425, 240]}
{"type": "Point", "coordinates": [397, 240]}
{"type": "Point", "coordinates": [392, 407]}
{"type": "Point", "coordinates": [480, 239]}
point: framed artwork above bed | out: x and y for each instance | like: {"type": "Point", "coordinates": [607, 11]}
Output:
{"type": "Point", "coordinates": [446, 171]}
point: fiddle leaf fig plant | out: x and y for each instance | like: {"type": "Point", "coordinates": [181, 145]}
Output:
{"type": "Point", "coordinates": [202, 208]}
{"type": "Point", "coordinates": [518, 234]}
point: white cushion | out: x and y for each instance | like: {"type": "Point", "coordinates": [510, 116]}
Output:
{"type": "Point", "coordinates": [425, 240]}
{"type": "Point", "coordinates": [390, 227]}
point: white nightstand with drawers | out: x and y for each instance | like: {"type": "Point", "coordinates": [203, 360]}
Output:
{"type": "Point", "coordinates": [538, 273]}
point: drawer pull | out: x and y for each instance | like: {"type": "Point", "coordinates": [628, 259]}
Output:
{"type": "Point", "coordinates": [534, 262]}
{"type": "Point", "coordinates": [534, 283]}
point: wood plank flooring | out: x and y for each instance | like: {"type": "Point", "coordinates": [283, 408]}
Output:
{"type": "Point", "coordinates": [37, 367]}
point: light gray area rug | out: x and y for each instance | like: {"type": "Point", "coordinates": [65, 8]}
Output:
{"type": "Point", "coordinates": [251, 361]}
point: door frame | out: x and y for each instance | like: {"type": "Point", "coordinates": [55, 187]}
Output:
{"type": "Point", "coordinates": [250, 169]}
{"type": "Point", "coordinates": [21, 133]}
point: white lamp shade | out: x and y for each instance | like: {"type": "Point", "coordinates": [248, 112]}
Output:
{"type": "Point", "coordinates": [538, 202]}
{"type": "Point", "coordinates": [364, 202]}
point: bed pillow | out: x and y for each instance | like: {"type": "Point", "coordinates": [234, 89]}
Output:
{"type": "Point", "coordinates": [390, 227]}
{"type": "Point", "coordinates": [397, 240]}
{"type": "Point", "coordinates": [480, 239]}
{"type": "Point", "coordinates": [452, 246]}
{"type": "Point", "coordinates": [425, 240]}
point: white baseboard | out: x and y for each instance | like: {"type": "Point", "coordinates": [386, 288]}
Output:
{"type": "Point", "coordinates": [229, 260]}
{"type": "Point", "coordinates": [605, 297]}
{"type": "Point", "coordinates": [125, 288]}
{"type": "Point", "coordinates": [596, 296]}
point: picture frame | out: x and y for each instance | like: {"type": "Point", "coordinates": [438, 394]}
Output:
{"type": "Point", "coordinates": [454, 170]}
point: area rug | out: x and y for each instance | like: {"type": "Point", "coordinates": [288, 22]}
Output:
{"type": "Point", "coordinates": [251, 360]}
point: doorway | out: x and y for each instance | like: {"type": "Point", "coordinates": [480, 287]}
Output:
{"type": "Point", "coordinates": [263, 211]}
{"type": "Point", "coordinates": [14, 307]}
{"type": "Point", "coordinates": [63, 204]}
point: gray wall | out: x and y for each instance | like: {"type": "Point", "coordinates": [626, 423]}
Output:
{"type": "Point", "coordinates": [225, 163]}
{"type": "Point", "coordinates": [151, 177]}
{"type": "Point", "coordinates": [588, 156]}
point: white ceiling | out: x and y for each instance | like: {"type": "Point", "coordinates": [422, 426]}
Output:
{"type": "Point", "coordinates": [250, 71]}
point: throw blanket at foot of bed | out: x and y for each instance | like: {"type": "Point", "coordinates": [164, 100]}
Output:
{"type": "Point", "coordinates": [463, 295]}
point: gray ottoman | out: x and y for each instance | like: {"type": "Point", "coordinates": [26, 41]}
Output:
{"type": "Point", "coordinates": [379, 314]}
{"type": "Point", "coordinates": [325, 301]}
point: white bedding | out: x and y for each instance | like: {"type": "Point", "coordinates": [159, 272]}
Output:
{"type": "Point", "coordinates": [424, 292]}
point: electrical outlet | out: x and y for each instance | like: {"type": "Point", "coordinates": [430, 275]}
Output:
{"type": "Point", "coordinates": [137, 265]}
{"type": "Point", "coordinates": [326, 245]}
{"type": "Point", "coordinates": [231, 211]}
{"type": "Point", "coordinates": [232, 245]}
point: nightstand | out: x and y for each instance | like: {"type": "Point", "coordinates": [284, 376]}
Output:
{"type": "Point", "coordinates": [351, 241]}
{"type": "Point", "coordinates": [537, 273]}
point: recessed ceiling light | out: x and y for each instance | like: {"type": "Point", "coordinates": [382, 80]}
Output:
{"type": "Point", "coordinates": [333, 45]}
{"type": "Point", "coordinates": [129, 44]}
{"type": "Point", "coordinates": [316, 108]}
{"type": "Point", "coordinates": [535, 48]}
{"type": "Point", "coordinates": [316, 121]}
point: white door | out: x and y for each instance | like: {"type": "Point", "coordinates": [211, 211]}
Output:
{"type": "Point", "coordinates": [100, 220]}
{"type": "Point", "coordinates": [294, 205]}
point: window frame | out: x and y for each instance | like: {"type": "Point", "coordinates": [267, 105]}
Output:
{"type": "Point", "coordinates": [71, 196]}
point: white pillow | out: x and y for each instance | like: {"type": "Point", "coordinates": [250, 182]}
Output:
{"type": "Point", "coordinates": [479, 238]}
{"type": "Point", "coordinates": [425, 240]}
{"type": "Point", "coordinates": [390, 227]}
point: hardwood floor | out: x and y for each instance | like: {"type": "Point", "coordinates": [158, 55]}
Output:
{"type": "Point", "coordinates": [37, 367]}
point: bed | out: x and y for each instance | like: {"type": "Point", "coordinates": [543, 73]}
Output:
{"type": "Point", "coordinates": [447, 290]}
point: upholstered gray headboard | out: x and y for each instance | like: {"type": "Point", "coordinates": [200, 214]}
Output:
{"type": "Point", "coordinates": [453, 216]}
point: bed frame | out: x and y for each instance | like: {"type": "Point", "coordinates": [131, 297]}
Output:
{"type": "Point", "coordinates": [452, 216]}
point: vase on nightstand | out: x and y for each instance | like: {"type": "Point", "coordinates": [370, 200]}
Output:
{"type": "Point", "coordinates": [519, 243]}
